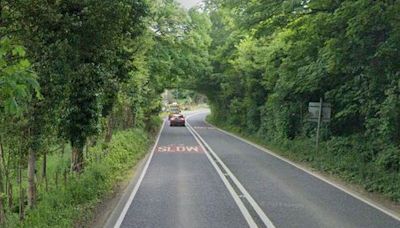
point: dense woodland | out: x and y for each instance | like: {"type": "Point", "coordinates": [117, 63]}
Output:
{"type": "Point", "coordinates": [73, 73]}
{"type": "Point", "coordinates": [271, 58]}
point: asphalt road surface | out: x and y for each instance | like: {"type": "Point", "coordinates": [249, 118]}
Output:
{"type": "Point", "coordinates": [199, 176]}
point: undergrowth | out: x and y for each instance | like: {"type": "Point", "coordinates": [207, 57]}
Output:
{"type": "Point", "coordinates": [71, 203]}
{"type": "Point", "coordinates": [355, 159]}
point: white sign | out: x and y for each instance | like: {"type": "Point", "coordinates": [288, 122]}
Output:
{"type": "Point", "coordinates": [314, 109]}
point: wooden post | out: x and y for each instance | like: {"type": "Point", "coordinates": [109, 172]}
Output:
{"type": "Point", "coordinates": [77, 159]}
{"type": "Point", "coordinates": [109, 129]}
{"type": "Point", "coordinates": [31, 178]}
{"type": "Point", "coordinates": [44, 171]}
{"type": "Point", "coordinates": [2, 198]}
{"type": "Point", "coordinates": [10, 195]}
{"type": "Point", "coordinates": [65, 177]}
{"type": "Point", "coordinates": [56, 179]}
{"type": "Point", "coordinates": [21, 204]}
{"type": "Point", "coordinates": [21, 194]}
{"type": "Point", "coordinates": [62, 149]}
{"type": "Point", "coordinates": [319, 123]}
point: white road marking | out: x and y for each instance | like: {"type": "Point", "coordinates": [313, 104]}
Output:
{"type": "Point", "coordinates": [181, 148]}
{"type": "Point", "coordinates": [192, 149]}
{"type": "Point", "coordinates": [203, 127]}
{"type": "Point", "coordinates": [235, 197]}
{"type": "Point", "coordinates": [342, 188]}
{"type": "Point", "coordinates": [246, 194]}
{"type": "Point", "coordinates": [136, 188]}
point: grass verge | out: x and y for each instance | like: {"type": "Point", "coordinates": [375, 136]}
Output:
{"type": "Point", "coordinates": [71, 203]}
{"type": "Point", "coordinates": [349, 159]}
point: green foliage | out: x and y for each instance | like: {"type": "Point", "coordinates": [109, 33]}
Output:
{"type": "Point", "coordinates": [102, 65]}
{"type": "Point", "coordinates": [271, 58]}
{"type": "Point", "coordinates": [361, 164]}
{"type": "Point", "coordinates": [62, 206]}
{"type": "Point", "coordinates": [103, 60]}
{"type": "Point", "coordinates": [80, 51]}
{"type": "Point", "coordinates": [180, 58]}
{"type": "Point", "coordinates": [17, 80]}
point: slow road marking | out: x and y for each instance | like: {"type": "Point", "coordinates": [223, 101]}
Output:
{"type": "Point", "coordinates": [181, 148]}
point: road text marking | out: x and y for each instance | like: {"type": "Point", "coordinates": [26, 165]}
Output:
{"type": "Point", "coordinates": [173, 148]}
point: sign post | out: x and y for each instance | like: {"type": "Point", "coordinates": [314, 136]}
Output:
{"type": "Point", "coordinates": [319, 123]}
{"type": "Point", "coordinates": [319, 112]}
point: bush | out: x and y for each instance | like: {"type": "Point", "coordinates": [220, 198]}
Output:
{"type": "Point", "coordinates": [389, 159]}
{"type": "Point", "coordinates": [61, 207]}
{"type": "Point", "coordinates": [357, 159]}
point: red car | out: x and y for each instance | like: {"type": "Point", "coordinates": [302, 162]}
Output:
{"type": "Point", "coordinates": [177, 120]}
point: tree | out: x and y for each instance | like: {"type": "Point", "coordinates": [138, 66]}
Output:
{"type": "Point", "coordinates": [17, 80]}
{"type": "Point", "coordinates": [17, 87]}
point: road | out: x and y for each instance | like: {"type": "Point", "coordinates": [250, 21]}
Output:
{"type": "Point", "coordinates": [199, 176]}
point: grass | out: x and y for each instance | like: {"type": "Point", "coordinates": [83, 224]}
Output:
{"type": "Point", "coordinates": [351, 159]}
{"type": "Point", "coordinates": [70, 204]}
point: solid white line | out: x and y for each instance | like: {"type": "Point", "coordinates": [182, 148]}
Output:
{"type": "Point", "coordinates": [235, 197]}
{"type": "Point", "coordinates": [249, 198]}
{"type": "Point", "coordinates": [136, 188]}
{"type": "Point", "coordinates": [355, 195]}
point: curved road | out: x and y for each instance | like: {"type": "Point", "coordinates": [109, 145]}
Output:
{"type": "Point", "coordinates": [199, 176]}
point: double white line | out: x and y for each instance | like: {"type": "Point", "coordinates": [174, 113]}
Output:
{"type": "Point", "coordinates": [224, 173]}
{"type": "Point", "coordinates": [236, 196]}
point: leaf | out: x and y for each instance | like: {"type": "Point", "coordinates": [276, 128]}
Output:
{"type": "Point", "coordinates": [19, 51]}
{"type": "Point", "coordinates": [11, 107]}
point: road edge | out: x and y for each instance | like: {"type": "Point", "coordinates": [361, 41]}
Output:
{"type": "Point", "coordinates": [236, 198]}
{"type": "Point", "coordinates": [391, 213]}
{"type": "Point", "coordinates": [118, 214]}
{"type": "Point", "coordinates": [125, 192]}
{"type": "Point", "coordinates": [260, 213]}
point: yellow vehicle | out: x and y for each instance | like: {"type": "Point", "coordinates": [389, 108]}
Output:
{"type": "Point", "coordinates": [173, 109]}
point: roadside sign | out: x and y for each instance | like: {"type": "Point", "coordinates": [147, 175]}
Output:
{"type": "Point", "coordinates": [319, 112]}
{"type": "Point", "coordinates": [314, 110]}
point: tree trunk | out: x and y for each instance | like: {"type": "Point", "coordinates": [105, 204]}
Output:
{"type": "Point", "coordinates": [63, 149]}
{"type": "Point", "coordinates": [77, 159]}
{"type": "Point", "coordinates": [10, 195]}
{"type": "Point", "coordinates": [5, 166]}
{"type": "Point", "coordinates": [21, 194]}
{"type": "Point", "coordinates": [31, 178]}
{"type": "Point", "coordinates": [21, 204]}
{"type": "Point", "coordinates": [7, 182]}
{"type": "Point", "coordinates": [44, 166]}
{"type": "Point", "coordinates": [65, 177]}
{"type": "Point", "coordinates": [44, 170]}
{"type": "Point", "coordinates": [129, 118]}
{"type": "Point", "coordinates": [86, 149]}
{"type": "Point", "coordinates": [2, 213]}
{"type": "Point", "coordinates": [134, 117]}
{"type": "Point", "coordinates": [110, 126]}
